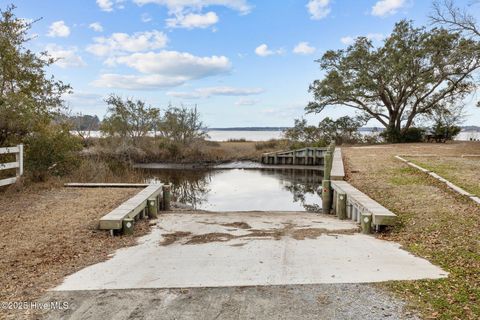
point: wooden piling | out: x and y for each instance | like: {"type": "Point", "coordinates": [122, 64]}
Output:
{"type": "Point", "coordinates": [326, 197]}
{"type": "Point", "coordinates": [152, 208]}
{"type": "Point", "coordinates": [327, 166]}
{"type": "Point", "coordinates": [366, 223]}
{"type": "Point", "coordinates": [127, 226]}
{"type": "Point", "coordinates": [166, 197]}
{"type": "Point", "coordinates": [341, 205]}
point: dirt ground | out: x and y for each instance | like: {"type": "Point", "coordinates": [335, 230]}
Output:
{"type": "Point", "coordinates": [46, 234]}
{"type": "Point", "coordinates": [434, 223]}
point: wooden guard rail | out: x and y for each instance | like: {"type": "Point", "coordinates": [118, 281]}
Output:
{"type": "Point", "coordinates": [18, 164]}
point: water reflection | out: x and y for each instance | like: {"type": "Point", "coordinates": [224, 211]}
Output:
{"type": "Point", "coordinates": [244, 190]}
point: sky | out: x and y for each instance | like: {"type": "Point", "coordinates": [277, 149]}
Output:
{"type": "Point", "coordinates": [241, 62]}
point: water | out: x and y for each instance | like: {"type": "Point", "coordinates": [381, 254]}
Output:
{"type": "Point", "coordinates": [221, 135]}
{"type": "Point", "coordinates": [244, 189]}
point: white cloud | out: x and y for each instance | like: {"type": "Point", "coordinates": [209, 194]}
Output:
{"type": "Point", "coordinates": [121, 42]}
{"type": "Point", "coordinates": [96, 26]}
{"type": "Point", "coordinates": [163, 69]}
{"type": "Point", "coordinates": [146, 17]}
{"type": "Point", "coordinates": [176, 6]}
{"type": "Point", "coordinates": [193, 20]}
{"type": "Point", "coordinates": [67, 57]}
{"type": "Point", "coordinates": [246, 102]}
{"type": "Point", "coordinates": [387, 7]}
{"type": "Point", "coordinates": [376, 37]}
{"type": "Point", "coordinates": [188, 13]}
{"type": "Point", "coordinates": [58, 29]}
{"type": "Point", "coordinates": [108, 5]}
{"type": "Point", "coordinates": [318, 9]}
{"type": "Point", "coordinates": [263, 51]}
{"type": "Point", "coordinates": [105, 5]}
{"type": "Point", "coordinates": [216, 91]}
{"type": "Point", "coordinates": [303, 48]}
{"type": "Point", "coordinates": [176, 63]}
{"type": "Point", "coordinates": [137, 82]}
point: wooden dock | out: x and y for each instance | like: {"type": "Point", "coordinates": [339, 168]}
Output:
{"type": "Point", "coordinates": [105, 185]}
{"type": "Point", "coordinates": [303, 157]}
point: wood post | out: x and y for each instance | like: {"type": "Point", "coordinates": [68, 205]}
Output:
{"type": "Point", "coordinates": [334, 202]}
{"type": "Point", "coordinates": [327, 166]}
{"type": "Point", "coordinates": [152, 208]}
{"type": "Point", "coordinates": [166, 197]}
{"type": "Point", "coordinates": [19, 160]}
{"type": "Point", "coordinates": [366, 223]}
{"type": "Point", "coordinates": [326, 197]}
{"type": "Point", "coordinates": [127, 226]}
{"type": "Point", "coordinates": [341, 205]}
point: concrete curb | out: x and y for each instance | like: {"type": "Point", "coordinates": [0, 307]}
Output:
{"type": "Point", "coordinates": [452, 186]}
{"type": "Point", "coordinates": [338, 170]}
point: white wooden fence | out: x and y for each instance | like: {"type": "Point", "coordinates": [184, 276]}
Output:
{"type": "Point", "coordinates": [18, 164]}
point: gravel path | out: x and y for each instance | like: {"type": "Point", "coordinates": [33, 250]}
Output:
{"type": "Point", "coordinates": [327, 301]}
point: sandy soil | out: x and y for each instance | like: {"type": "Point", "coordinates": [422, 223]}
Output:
{"type": "Point", "coordinates": [434, 223]}
{"type": "Point", "coordinates": [46, 234]}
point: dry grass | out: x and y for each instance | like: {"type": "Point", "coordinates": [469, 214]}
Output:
{"type": "Point", "coordinates": [198, 151]}
{"type": "Point", "coordinates": [434, 223]}
{"type": "Point", "coordinates": [48, 233]}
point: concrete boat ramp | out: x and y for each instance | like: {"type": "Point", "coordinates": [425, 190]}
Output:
{"type": "Point", "coordinates": [225, 260]}
{"type": "Point", "coordinates": [248, 249]}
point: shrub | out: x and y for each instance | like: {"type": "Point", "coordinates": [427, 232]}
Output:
{"type": "Point", "coordinates": [237, 140]}
{"type": "Point", "coordinates": [413, 134]}
{"type": "Point", "coordinates": [51, 150]}
{"type": "Point", "coordinates": [445, 133]}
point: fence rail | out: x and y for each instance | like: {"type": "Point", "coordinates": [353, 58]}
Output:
{"type": "Point", "coordinates": [18, 164]}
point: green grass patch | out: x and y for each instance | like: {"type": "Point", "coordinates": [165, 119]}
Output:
{"type": "Point", "coordinates": [406, 176]}
{"type": "Point", "coordinates": [451, 173]}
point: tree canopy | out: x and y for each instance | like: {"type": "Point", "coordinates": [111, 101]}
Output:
{"type": "Point", "coordinates": [129, 119]}
{"type": "Point", "coordinates": [29, 98]}
{"type": "Point", "coordinates": [413, 73]}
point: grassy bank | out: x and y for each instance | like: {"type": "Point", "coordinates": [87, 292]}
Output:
{"type": "Point", "coordinates": [434, 223]}
{"type": "Point", "coordinates": [462, 171]}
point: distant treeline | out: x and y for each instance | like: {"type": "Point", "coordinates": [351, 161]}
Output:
{"type": "Point", "coordinates": [84, 122]}
{"type": "Point", "coordinates": [92, 123]}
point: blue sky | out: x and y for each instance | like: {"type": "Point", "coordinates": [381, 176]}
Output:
{"type": "Point", "coordinates": [242, 62]}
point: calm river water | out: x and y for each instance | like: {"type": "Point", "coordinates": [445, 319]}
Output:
{"type": "Point", "coordinates": [244, 189]}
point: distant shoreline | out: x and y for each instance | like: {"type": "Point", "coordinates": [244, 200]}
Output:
{"type": "Point", "coordinates": [363, 129]}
